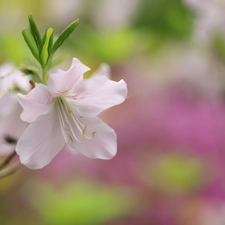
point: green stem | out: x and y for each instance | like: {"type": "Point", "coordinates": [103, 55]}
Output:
{"type": "Point", "coordinates": [7, 160]}
{"type": "Point", "coordinates": [9, 171]}
{"type": "Point", "coordinates": [38, 77]}
{"type": "Point", "coordinates": [44, 74]}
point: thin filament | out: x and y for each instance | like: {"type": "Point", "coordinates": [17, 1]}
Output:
{"type": "Point", "coordinates": [65, 117]}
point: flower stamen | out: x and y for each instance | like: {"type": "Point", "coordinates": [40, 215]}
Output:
{"type": "Point", "coordinates": [85, 135]}
{"type": "Point", "coordinates": [67, 130]}
{"type": "Point", "coordinates": [65, 118]}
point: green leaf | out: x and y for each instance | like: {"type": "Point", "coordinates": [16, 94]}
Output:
{"type": "Point", "coordinates": [31, 43]}
{"type": "Point", "coordinates": [217, 45]}
{"type": "Point", "coordinates": [46, 46]}
{"type": "Point", "coordinates": [102, 203]}
{"type": "Point", "coordinates": [64, 35]}
{"type": "Point", "coordinates": [34, 30]}
{"type": "Point", "coordinates": [57, 61]}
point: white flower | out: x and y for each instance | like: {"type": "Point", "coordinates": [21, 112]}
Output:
{"type": "Point", "coordinates": [11, 79]}
{"type": "Point", "coordinates": [11, 126]}
{"type": "Point", "coordinates": [65, 112]}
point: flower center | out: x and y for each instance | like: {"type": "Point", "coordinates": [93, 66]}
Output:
{"type": "Point", "coordinates": [69, 122]}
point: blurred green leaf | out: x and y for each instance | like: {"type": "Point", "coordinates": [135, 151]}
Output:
{"type": "Point", "coordinates": [110, 47]}
{"type": "Point", "coordinates": [170, 19]}
{"type": "Point", "coordinates": [80, 203]}
{"type": "Point", "coordinates": [64, 35]}
{"type": "Point", "coordinates": [34, 30]}
{"type": "Point", "coordinates": [46, 46]}
{"type": "Point", "coordinates": [57, 61]}
{"type": "Point", "coordinates": [31, 43]}
{"type": "Point", "coordinates": [12, 48]}
{"type": "Point", "coordinates": [176, 174]}
{"type": "Point", "coordinates": [218, 46]}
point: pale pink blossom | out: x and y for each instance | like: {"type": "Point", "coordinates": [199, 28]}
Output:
{"type": "Point", "coordinates": [103, 70]}
{"type": "Point", "coordinates": [11, 126]}
{"type": "Point", "coordinates": [65, 112]}
{"type": "Point", "coordinates": [11, 79]}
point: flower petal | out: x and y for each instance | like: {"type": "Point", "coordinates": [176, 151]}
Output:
{"type": "Point", "coordinates": [100, 141]}
{"type": "Point", "coordinates": [63, 82]}
{"type": "Point", "coordinates": [11, 126]}
{"type": "Point", "coordinates": [10, 123]}
{"type": "Point", "coordinates": [97, 94]}
{"type": "Point", "coordinates": [103, 70]}
{"type": "Point", "coordinates": [37, 102]}
{"type": "Point", "coordinates": [41, 141]}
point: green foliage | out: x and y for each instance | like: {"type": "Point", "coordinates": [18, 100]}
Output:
{"type": "Point", "coordinates": [34, 30]}
{"type": "Point", "coordinates": [28, 37]}
{"type": "Point", "coordinates": [110, 47]}
{"type": "Point", "coordinates": [57, 61]}
{"type": "Point", "coordinates": [43, 48]}
{"type": "Point", "coordinates": [170, 19]}
{"type": "Point", "coordinates": [218, 46]}
{"type": "Point", "coordinates": [80, 203]}
{"type": "Point", "coordinates": [46, 46]}
{"type": "Point", "coordinates": [64, 35]}
{"type": "Point", "coordinates": [176, 174]}
{"type": "Point", "coordinates": [12, 48]}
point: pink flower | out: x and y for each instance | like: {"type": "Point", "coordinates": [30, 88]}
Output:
{"type": "Point", "coordinates": [11, 78]}
{"type": "Point", "coordinates": [11, 126]}
{"type": "Point", "coordinates": [65, 112]}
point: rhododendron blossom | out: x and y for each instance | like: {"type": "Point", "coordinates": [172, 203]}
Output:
{"type": "Point", "coordinates": [11, 126]}
{"type": "Point", "coordinates": [11, 78]}
{"type": "Point", "coordinates": [65, 112]}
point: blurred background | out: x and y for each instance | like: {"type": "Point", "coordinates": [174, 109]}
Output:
{"type": "Point", "coordinates": [169, 169]}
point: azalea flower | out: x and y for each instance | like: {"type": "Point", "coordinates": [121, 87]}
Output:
{"type": "Point", "coordinates": [12, 79]}
{"type": "Point", "coordinates": [65, 112]}
{"type": "Point", "coordinates": [11, 126]}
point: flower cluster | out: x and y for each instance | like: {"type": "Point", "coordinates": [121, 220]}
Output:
{"type": "Point", "coordinates": [59, 109]}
